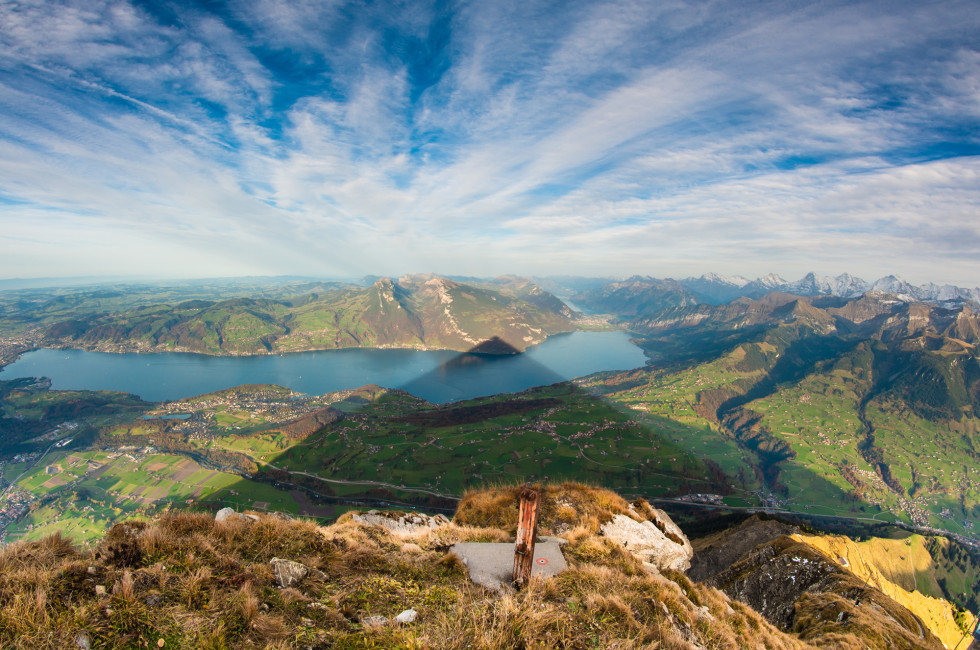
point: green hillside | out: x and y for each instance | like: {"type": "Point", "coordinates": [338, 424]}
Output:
{"type": "Point", "coordinates": [552, 433]}
{"type": "Point", "coordinates": [864, 409]}
{"type": "Point", "coordinates": [414, 311]}
{"type": "Point", "coordinates": [262, 447]}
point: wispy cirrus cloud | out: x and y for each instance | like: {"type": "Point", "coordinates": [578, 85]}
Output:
{"type": "Point", "coordinates": [342, 138]}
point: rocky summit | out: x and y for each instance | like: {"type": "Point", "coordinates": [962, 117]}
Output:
{"type": "Point", "coordinates": [389, 579]}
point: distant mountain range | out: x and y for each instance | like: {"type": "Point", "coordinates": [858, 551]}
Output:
{"type": "Point", "coordinates": [717, 289]}
{"type": "Point", "coordinates": [415, 311]}
{"type": "Point", "coordinates": [639, 296]}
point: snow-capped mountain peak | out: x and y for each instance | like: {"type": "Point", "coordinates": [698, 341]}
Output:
{"type": "Point", "coordinates": [716, 288]}
{"type": "Point", "coordinates": [772, 280]}
{"type": "Point", "coordinates": [734, 280]}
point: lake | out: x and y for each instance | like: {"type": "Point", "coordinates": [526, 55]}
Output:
{"type": "Point", "coordinates": [438, 376]}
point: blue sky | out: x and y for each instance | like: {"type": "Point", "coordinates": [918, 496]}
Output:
{"type": "Point", "coordinates": [261, 137]}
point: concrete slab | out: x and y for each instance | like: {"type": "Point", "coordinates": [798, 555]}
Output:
{"type": "Point", "coordinates": [492, 565]}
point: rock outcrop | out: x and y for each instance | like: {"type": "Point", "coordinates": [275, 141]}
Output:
{"type": "Point", "coordinates": [657, 542]}
{"type": "Point", "coordinates": [400, 522]}
{"type": "Point", "coordinates": [798, 589]}
{"type": "Point", "coordinates": [717, 552]}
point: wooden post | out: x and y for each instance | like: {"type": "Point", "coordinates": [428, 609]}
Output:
{"type": "Point", "coordinates": [527, 528]}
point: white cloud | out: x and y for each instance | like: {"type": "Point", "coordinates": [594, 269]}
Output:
{"type": "Point", "coordinates": [613, 136]}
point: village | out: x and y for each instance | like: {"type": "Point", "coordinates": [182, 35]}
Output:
{"type": "Point", "coordinates": [12, 346]}
{"type": "Point", "coordinates": [243, 409]}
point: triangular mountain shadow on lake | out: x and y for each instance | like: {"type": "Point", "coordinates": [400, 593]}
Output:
{"type": "Point", "coordinates": [488, 368]}
{"type": "Point", "coordinates": [493, 346]}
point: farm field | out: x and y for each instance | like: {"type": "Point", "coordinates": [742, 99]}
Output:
{"type": "Point", "coordinates": [82, 493]}
{"type": "Point", "coordinates": [552, 433]}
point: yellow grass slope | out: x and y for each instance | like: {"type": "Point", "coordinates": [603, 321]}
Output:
{"type": "Point", "coordinates": [892, 565]}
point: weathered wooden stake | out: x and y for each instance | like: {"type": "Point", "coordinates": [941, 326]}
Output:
{"type": "Point", "coordinates": [527, 528]}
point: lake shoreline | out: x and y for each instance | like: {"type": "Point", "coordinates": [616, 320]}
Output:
{"type": "Point", "coordinates": [117, 349]}
{"type": "Point", "coordinates": [436, 375]}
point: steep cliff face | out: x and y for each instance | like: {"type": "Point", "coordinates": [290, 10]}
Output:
{"type": "Point", "coordinates": [798, 589]}
{"type": "Point", "coordinates": [819, 587]}
{"type": "Point", "coordinates": [715, 553]}
{"type": "Point", "coordinates": [871, 560]}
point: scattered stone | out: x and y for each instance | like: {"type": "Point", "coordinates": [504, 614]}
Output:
{"type": "Point", "coordinates": [100, 590]}
{"type": "Point", "coordinates": [153, 600]}
{"type": "Point", "coordinates": [317, 606]}
{"type": "Point", "coordinates": [659, 542]}
{"type": "Point", "coordinates": [705, 614]}
{"type": "Point", "coordinates": [405, 524]}
{"type": "Point", "coordinates": [561, 541]}
{"type": "Point", "coordinates": [83, 640]}
{"type": "Point", "coordinates": [229, 513]}
{"type": "Point", "coordinates": [91, 570]}
{"type": "Point", "coordinates": [373, 621]}
{"type": "Point", "coordinates": [225, 513]}
{"type": "Point", "coordinates": [408, 616]}
{"type": "Point", "coordinates": [287, 572]}
{"type": "Point", "coordinates": [306, 622]}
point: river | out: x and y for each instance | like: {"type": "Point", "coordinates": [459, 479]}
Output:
{"type": "Point", "coordinates": [438, 376]}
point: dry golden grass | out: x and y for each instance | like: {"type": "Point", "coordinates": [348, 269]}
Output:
{"type": "Point", "coordinates": [563, 507]}
{"type": "Point", "coordinates": [197, 584]}
{"type": "Point", "coordinates": [876, 625]}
